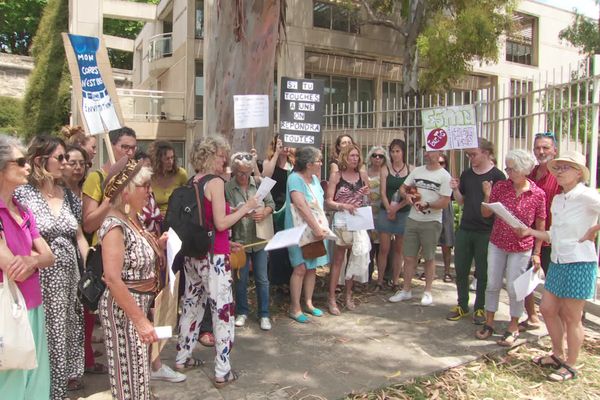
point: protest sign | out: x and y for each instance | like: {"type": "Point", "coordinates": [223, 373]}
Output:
{"type": "Point", "coordinates": [251, 111]}
{"type": "Point", "coordinates": [301, 112]}
{"type": "Point", "coordinates": [448, 128]}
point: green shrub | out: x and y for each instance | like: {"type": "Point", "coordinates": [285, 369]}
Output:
{"type": "Point", "coordinates": [10, 114]}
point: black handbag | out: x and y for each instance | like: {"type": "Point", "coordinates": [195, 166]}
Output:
{"type": "Point", "coordinates": [91, 286]}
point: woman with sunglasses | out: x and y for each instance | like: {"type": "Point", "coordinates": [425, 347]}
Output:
{"type": "Point", "coordinates": [58, 218]}
{"type": "Point", "coordinates": [391, 219]}
{"type": "Point", "coordinates": [376, 159]}
{"type": "Point", "coordinates": [237, 192]}
{"type": "Point", "coordinates": [23, 254]}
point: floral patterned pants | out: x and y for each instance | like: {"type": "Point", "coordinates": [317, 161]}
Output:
{"type": "Point", "coordinates": [207, 284]}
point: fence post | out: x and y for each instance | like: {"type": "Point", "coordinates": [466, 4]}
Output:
{"type": "Point", "coordinates": [595, 105]}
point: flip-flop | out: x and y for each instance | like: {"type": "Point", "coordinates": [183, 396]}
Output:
{"type": "Point", "coordinates": [190, 363]}
{"type": "Point", "coordinates": [315, 312]}
{"type": "Point", "coordinates": [300, 317]}
{"type": "Point", "coordinates": [229, 377]}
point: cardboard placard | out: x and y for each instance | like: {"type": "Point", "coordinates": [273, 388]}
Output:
{"type": "Point", "coordinates": [448, 128]}
{"type": "Point", "coordinates": [302, 106]}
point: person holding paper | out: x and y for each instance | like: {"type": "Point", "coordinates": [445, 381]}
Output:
{"type": "Point", "coordinates": [376, 160]}
{"type": "Point", "coordinates": [304, 186]}
{"type": "Point", "coordinates": [473, 234]}
{"type": "Point", "coordinates": [424, 222]}
{"type": "Point", "coordinates": [340, 142]}
{"type": "Point", "coordinates": [130, 258]}
{"type": "Point", "coordinates": [237, 192]}
{"type": "Point", "coordinates": [508, 255]}
{"type": "Point", "coordinates": [346, 191]}
{"type": "Point", "coordinates": [573, 269]}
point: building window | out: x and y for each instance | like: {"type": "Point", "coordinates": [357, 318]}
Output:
{"type": "Point", "coordinates": [199, 90]}
{"type": "Point", "coordinates": [520, 44]}
{"type": "Point", "coordinates": [336, 17]}
{"type": "Point", "coordinates": [199, 19]}
{"type": "Point", "coordinates": [520, 92]}
{"type": "Point", "coordinates": [349, 101]}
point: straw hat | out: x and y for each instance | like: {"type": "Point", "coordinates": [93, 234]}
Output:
{"type": "Point", "coordinates": [119, 175]}
{"type": "Point", "coordinates": [574, 158]}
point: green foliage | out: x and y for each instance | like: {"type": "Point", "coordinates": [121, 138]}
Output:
{"type": "Point", "coordinates": [10, 114]}
{"type": "Point", "coordinates": [458, 32]}
{"type": "Point", "coordinates": [47, 100]}
{"type": "Point", "coordinates": [583, 33]}
{"type": "Point", "coordinates": [18, 22]}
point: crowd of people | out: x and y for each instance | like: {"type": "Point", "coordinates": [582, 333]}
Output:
{"type": "Point", "coordinates": [53, 207]}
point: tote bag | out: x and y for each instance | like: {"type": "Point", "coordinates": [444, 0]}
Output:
{"type": "Point", "coordinates": [17, 347]}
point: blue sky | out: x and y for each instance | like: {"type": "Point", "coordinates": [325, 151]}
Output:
{"type": "Point", "coordinates": [587, 7]}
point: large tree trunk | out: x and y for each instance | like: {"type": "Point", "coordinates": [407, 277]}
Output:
{"type": "Point", "coordinates": [410, 56]}
{"type": "Point", "coordinates": [239, 58]}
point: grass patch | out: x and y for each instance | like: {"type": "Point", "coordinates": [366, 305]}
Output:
{"type": "Point", "coordinates": [509, 375]}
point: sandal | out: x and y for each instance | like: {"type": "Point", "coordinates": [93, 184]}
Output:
{"type": "Point", "coordinates": [447, 278]}
{"type": "Point", "coordinates": [300, 318]}
{"type": "Point", "coordinates": [528, 326]}
{"type": "Point", "coordinates": [422, 277]}
{"type": "Point", "coordinates": [190, 363]}
{"type": "Point", "coordinates": [207, 339]}
{"type": "Point", "coordinates": [229, 377]}
{"type": "Point", "coordinates": [554, 361]}
{"type": "Point", "coordinates": [333, 308]}
{"type": "Point", "coordinates": [74, 384]}
{"type": "Point", "coordinates": [350, 305]}
{"type": "Point", "coordinates": [97, 368]}
{"type": "Point", "coordinates": [378, 287]}
{"type": "Point", "coordinates": [485, 332]}
{"type": "Point", "coordinates": [564, 373]}
{"type": "Point", "coordinates": [508, 339]}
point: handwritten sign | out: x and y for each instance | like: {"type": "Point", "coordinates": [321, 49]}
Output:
{"type": "Point", "coordinates": [250, 111]}
{"type": "Point", "coordinates": [301, 112]}
{"type": "Point", "coordinates": [447, 128]}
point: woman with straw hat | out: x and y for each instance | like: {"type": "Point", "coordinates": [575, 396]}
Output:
{"type": "Point", "coordinates": [573, 269]}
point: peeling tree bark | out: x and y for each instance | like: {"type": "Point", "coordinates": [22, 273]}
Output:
{"type": "Point", "coordinates": [239, 58]}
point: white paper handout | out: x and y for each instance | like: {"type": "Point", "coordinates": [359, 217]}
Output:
{"type": "Point", "coordinates": [250, 111]}
{"type": "Point", "coordinates": [505, 215]}
{"type": "Point", "coordinates": [286, 238]}
{"type": "Point", "coordinates": [266, 184]}
{"type": "Point", "coordinates": [163, 332]}
{"type": "Point", "coordinates": [361, 220]}
{"type": "Point", "coordinates": [173, 247]}
{"type": "Point", "coordinates": [526, 283]}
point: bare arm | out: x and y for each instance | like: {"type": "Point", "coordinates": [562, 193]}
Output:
{"type": "Point", "coordinates": [334, 179]}
{"type": "Point", "coordinates": [82, 243]}
{"type": "Point", "coordinates": [19, 268]}
{"type": "Point", "coordinates": [383, 174]}
{"type": "Point", "coordinates": [487, 190]}
{"type": "Point", "coordinates": [112, 255]}
{"type": "Point", "coordinates": [94, 213]}
{"type": "Point", "coordinates": [440, 203]}
{"type": "Point", "coordinates": [458, 197]}
{"type": "Point", "coordinates": [215, 193]}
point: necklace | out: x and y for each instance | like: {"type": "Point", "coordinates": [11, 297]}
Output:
{"type": "Point", "coordinates": [138, 228]}
{"type": "Point", "coordinates": [397, 172]}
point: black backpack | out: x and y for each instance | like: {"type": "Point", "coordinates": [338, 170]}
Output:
{"type": "Point", "coordinates": [185, 214]}
{"type": "Point", "coordinates": [91, 286]}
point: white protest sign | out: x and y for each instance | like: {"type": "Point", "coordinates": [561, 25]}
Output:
{"type": "Point", "coordinates": [448, 128]}
{"type": "Point", "coordinates": [251, 111]}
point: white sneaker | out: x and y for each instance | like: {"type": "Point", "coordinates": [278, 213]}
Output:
{"type": "Point", "coordinates": [426, 300]}
{"type": "Point", "coordinates": [165, 373]}
{"type": "Point", "coordinates": [240, 320]}
{"type": "Point", "coordinates": [473, 285]}
{"type": "Point", "coordinates": [401, 295]}
{"type": "Point", "coordinates": [265, 324]}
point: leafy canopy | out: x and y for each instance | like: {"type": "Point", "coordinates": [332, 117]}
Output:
{"type": "Point", "coordinates": [18, 22]}
{"type": "Point", "coordinates": [583, 33]}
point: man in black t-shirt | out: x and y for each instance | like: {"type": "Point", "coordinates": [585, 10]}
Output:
{"type": "Point", "coordinates": [472, 237]}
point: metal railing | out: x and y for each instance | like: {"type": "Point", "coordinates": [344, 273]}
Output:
{"type": "Point", "coordinates": [160, 46]}
{"type": "Point", "coordinates": [151, 105]}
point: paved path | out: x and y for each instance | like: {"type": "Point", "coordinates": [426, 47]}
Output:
{"type": "Point", "coordinates": [378, 344]}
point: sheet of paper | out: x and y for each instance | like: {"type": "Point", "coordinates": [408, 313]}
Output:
{"type": "Point", "coordinates": [505, 215]}
{"type": "Point", "coordinates": [250, 111]}
{"type": "Point", "coordinates": [361, 220]}
{"type": "Point", "coordinates": [286, 238]}
{"type": "Point", "coordinates": [163, 332]}
{"type": "Point", "coordinates": [526, 283]}
{"type": "Point", "coordinates": [173, 247]}
{"type": "Point", "coordinates": [266, 184]}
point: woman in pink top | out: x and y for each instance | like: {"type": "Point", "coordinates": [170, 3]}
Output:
{"type": "Point", "coordinates": [509, 255]}
{"type": "Point", "coordinates": [208, 280]}
{"type": "Point", "coordinates": [22, 253]}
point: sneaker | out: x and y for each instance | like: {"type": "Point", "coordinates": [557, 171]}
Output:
{"type": "Point", "coordinates": [473, 285]}
{"type": "Point", "coordinates": [240, 320]}
{"type": "Point", "coordinates": [479, 317]}
{"type": "Point", "coordinates": [165, 373]}
{"type": "Point", "coordinates": [401, 295]}
{"type": "Point", "coordinates": [265, 324]}
{"type": "Point", "coordinates": [427, 299]}
{"type": "Point", "coordinates": [456, 313]}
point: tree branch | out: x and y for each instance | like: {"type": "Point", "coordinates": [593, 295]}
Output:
{"type": "Point", "coordinates": [373, 19]}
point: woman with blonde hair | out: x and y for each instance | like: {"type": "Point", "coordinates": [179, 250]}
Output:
{"type": "Point", "coordinates": [58, 218]}
{"type": "Point", "coordinates": [208, 279]}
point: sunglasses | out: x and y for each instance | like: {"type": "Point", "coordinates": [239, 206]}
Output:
{"type": "Point", "coordinates": [545, 134]}
{"type": "Point", "coordinates": [379, 156]}
{"type": "Point", "coordinates": [61, 157]}
{"type": "Point", "coordinates": [243, 157]}
{"type": "Point", "coordinates": [21, 161]}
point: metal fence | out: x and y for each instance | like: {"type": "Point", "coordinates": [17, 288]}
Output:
{"type": "Point", "coordinates": [510, 113]}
